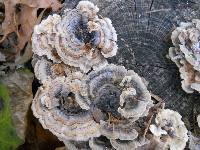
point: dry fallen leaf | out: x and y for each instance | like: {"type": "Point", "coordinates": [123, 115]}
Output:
{"type": "Point", "coordinates": [22, 22]}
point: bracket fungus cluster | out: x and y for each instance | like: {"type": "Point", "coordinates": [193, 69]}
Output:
{"type": "Point", "coordinates": [78, 37]}
{"type": "Point", "coordinates": [85, 100]}
{"type": "Point", "coordinates": [186, 54]}
{"type": "Point", "coordinates": [169, 130]}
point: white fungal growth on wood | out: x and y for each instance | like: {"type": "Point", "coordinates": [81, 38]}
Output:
{"type": "Point", "coordinates": [43, 38]}
{"type": "Point", "coordinates": [125, 145]}
{"type": "Point", "coordinates": [194, 142]}
{"type": "Point", "coordinates": [65, 47]}
{"type": "Point", "coordinates": [83, 98]}
{"type": "Point", "coordinates": [45, 69]}
{"type": "Point", "coordinates": [170, 129]}
{"type": "Point", "coordinates": [56, 108]}
{"type": "Point", "coordinates": [98, 144]}
{"type": "Point", "coordinates": [186, 54]}
{"type": "Point", "coordinates": [116, 88]}
{"type": "Point", "coordinates": [120, 95]}
{"type": "Point", "coordinates": [118, 131]}
{"type": "Point", "coordinates": [78, 38]}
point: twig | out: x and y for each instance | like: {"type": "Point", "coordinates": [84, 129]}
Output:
{"type": "Point", "coordinates": [148, 124]}
{"type": "Point", "coordinates": [152, 111]}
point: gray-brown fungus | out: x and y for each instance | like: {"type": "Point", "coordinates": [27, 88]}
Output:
{"type": "Point", "coordinates": [56, 108]}
{"type": "Point", "coordinates": [120, 95]}
{"type": "Point", "coordinates": [125, 145]}
{"type": "Point", "coordinates": [78, 37]}
{"type": "Point", "coordinates": [170, 130]}
{"type": "Point", "coordinates": [45, 69]}
{"type": "Point", "coordinates": [186, 54]}
{"type": "Point", "coordinates": [76, 145]}
{"type": "Point", "coordinates": [83, 98]}
{"type": "Point", "coordinates": [43, 38]}
{"type": "Point", "coordinates": [100, 143]}
{"type": "Point", "coordinates": [194, 142]}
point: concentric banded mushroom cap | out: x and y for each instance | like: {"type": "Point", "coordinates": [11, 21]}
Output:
{"type": "Point", "coordinates": [79, 37]}
{"type": "Point", "coordinates": [100, 143]}
{"type": "Point", "coordinates": [43, 38]}
{"type": "Point", "coordinates": [125, 145]}
{"type": "Point", "coordinates": [56, 108]}
{"type": "Point", "coordinates": [169, 125]}
{"type": "Point", "coordinates": [45, 69]}
{"type": "Point", "coordinates": [120, 95]}
{"type": "Point", "coordinates": [115, 89]}
{"type": "Point", "coordinates": [186, 54]}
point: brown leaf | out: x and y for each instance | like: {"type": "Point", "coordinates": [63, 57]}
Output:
{"type": "Point", "coordinates": [26, 18]}
{"type": "Point", "coordinates": [26, 56]}
{"type": "Point", "coordinates": [8, 25]}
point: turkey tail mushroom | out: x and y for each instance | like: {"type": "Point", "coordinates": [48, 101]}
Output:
{"type": "Point", "coordinates": [170, 130]}
{"type": "Point", "coordinates": [186, 54]}
{"type": "Point", "coordinates": [117, 90]}
{"type": "Point", "coordinates": [120, 95]}
{"type": "Point", "coordinates": [56, 108]}
{"type": "Point", "coordinates": [43, 38]}
{"type": "Point", "coordinates": [78, 37]}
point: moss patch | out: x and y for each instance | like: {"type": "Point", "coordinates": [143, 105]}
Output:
{"type": "Point", "coordinates": [8, 137]}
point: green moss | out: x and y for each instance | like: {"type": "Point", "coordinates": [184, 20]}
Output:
{"type": "Point", "coordinates": [24, 70]}
{"type": "Point", "coordinates": [8, 137]}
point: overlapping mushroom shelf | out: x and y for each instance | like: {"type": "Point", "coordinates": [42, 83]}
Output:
{"type": "Point", "coordinates": [186, 54]}
{"type": "Point", "coordinates": [84, 99]}
{"type": "Point", "coordinates": [79, 38]}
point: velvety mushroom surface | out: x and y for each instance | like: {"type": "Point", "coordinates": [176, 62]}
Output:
{"type": "Point", "coordinates": [169, 130]}
{"type": "Point", "coordinates": [84, 100]}
{"type": "Point", "coordinates": [57, 110]}
{"type": "Point", "coordinates": [121, 98]}
{"type": "Point", "coordinates": [186, 54]}
{"type": "Point", "coordinates": [79, 37]}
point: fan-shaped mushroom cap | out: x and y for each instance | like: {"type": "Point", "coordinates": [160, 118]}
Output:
{"type": "Point", "coordinates": [45, 69]}
{"type": "Point", "coordinates": [114, 86]}
{"type": "Point", "coordinates": [89, 8]}
{"type": "Point", "coordinates": [98, 144]}
{"type": "Point", "coordinates": [186, 54]}
{"type": "Point", "coordinates": [194, 142]}
{"type": "Point", "coordinates": [170, 126]}
{"type": "Point", "coordinates": [76, 145]}
{"type": "Point", "coordinates": [79, 37]}
{"type": "Point", "coordinates": [107, 36]}
{"type": "Point", "coordinates": [118, 131]}
{"type": "Point", "coordinates": [56, 108]}
{"type": "Point", "coordinates": [135, 93]}
{"type": "Point", "coordinates": [74, 44]}
{"type": "Point", "coordinates": [43, 38]}
{"type": "Point", "coordinates": [126, 145]}
{"type": "Point", "coordinates": [119, 94]}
